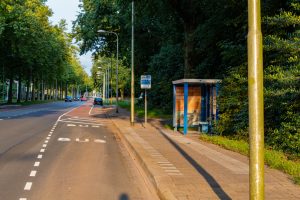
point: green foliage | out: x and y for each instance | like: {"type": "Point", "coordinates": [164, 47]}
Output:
{"type": "Point", "coordinates": [281, 85]}
{"type": "Point", "coordinates": [206, 39]}
{"type": "Point", "coordinates": [34, 50]}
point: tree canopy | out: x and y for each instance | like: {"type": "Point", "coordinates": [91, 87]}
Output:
{"type": "Point", "coordinates": [207, 39]}
{"type": "Point", "coordinates": [32, 48]}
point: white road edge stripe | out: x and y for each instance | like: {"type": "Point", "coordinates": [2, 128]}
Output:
{"type": "Point", "coordinates": [91, 110]}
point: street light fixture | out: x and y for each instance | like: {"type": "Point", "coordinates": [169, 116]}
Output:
{"type": "Point", "coordinates": [117, 72]}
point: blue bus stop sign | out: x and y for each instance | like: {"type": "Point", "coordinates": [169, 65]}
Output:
{"type": "Point", "coordinates": [146, 82]}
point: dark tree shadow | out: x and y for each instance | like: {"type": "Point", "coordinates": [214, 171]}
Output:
{"type": "Point", "coordinates": [124, 197]}
{"type": "Point", "coordinates": [210, 179]}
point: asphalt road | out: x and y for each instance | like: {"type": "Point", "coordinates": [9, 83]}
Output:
{"type": "Point", "coordinates": [65, 151]}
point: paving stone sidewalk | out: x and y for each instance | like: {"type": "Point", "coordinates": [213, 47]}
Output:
{"type": "Point", "coordinates": [183, 167]}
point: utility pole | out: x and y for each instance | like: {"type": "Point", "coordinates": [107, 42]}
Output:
{"type": "Point", "coordinates": [132, 66]}
{"type": "Point", "coordinates": [256, 101]}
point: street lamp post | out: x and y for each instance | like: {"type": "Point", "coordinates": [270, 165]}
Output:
{"type": "Point", "coordinates": [132, 65]}
{"type": "Point", "coordinates": [117, 72]}
{"type": "Point", "coordinates": [256, 101]}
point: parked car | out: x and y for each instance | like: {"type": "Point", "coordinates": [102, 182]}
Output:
{"type": "Point", "coordinates": [76, 99]}
{"type": "Point", "coordinates": [83, 98]}
{"type": "Point", "coordinates": [98, 101]}
{"type": "Point", "coordinates": [68, 99]}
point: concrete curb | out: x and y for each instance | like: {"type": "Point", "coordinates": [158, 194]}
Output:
{"type": "Point", "coordinates": [158, 182]}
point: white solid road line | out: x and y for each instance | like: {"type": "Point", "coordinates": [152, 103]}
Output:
{"type": "Point", "coordinates": [32, 173]}
{"type": "Point", "coordinates": [28, 186]}
{"type": "Point", "coordinates": [81, 123]}
{"type": "Point", "coordinates": [82, 119]}
{"type": "Point", "coordinates": [91, 110]}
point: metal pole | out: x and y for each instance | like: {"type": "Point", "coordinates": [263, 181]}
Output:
{"type": "Point", "coordinates": [56, 93]}
{"type": "Point", "coordinates": [145, 106]}
{"type": "Point", "coordinates": [103, 90]}
{"type": "Point", "coordinates": [4, 83]}
{"type": "Point", "coordinates": [107, 86]}
{"type": "Point", "coordinates": [256, 104]}
{"type": "Point", "coordinates": [132, 67]}
{"type": "Point", "coordinates": [117, 78]}
{"type": "Point", "coordinates": [111, 80]}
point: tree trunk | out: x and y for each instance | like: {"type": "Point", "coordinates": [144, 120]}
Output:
{"type": "Point", "coordinates": [66, 91]}
{"type": "Point", "coordinates": [122, 93]}
{"type": "Point", "coordinates": [10, 94]}
{"type": "Point", "coordinates": [28, 89]}
{"type": "Point", "coordinates": [32, 91]}
{"type": "Point", "coordinates": [43, 91]}
{"type": "Point", "coordinates": [19, 90]}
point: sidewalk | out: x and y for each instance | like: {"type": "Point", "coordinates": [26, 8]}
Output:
{"type": "Point", "coordinates": [183, 167]}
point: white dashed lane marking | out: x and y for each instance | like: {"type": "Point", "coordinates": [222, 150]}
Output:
{"type": "Point", "coordinates": [36, 164]}
{"type": "Point", "coordinates": [78, 140]}
{"type": "Point", "coordinates": [32, 173]}
{"type": "Point", "coordinates": [28, 186]}
{"type": "Point", "coordinates": [42, 150]}
{"type": "Point", "coordinates": [64, 139]}
{"type": "Point", "coordinates": [99, 141]}
{"type": "Point", "coordinates": [40, 156]}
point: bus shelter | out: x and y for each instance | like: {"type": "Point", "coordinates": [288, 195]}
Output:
{"type": "Point", "coordinates": [195, 103]}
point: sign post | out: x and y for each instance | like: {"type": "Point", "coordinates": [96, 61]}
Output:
{"type": "Point", "coordinates": [146, 84]}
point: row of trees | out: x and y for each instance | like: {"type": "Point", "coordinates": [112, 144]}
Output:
{"type": "Point", "coordinates": [207, 39]}
{"type": "Point", "coordinates": [36, 53]}
{"type": "Point", "coordinates": [104, 71]}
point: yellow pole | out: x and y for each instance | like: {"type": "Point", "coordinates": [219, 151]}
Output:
{"type": "Point", "coordinates": [256, 102]}
{"type": "Point", "coordinates": [132, 67]}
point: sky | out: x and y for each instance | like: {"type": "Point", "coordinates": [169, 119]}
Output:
{"type": "Point", "coordinates": [68, 10]}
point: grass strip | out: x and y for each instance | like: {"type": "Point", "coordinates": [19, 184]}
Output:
{"type": "Point", "coordinates": [140, 111]}
{"type": "Point", "coordinates": [274, 159]}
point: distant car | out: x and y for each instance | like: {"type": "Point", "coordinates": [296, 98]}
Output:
{"type": "Point", "coordinates": [83, 99]}
{"type": "Point", "coordinates": [98, 101]}
{"type": "Point", "coordinates": [68, 99]}
{"type": "Point", "coordinates": [76, 99]}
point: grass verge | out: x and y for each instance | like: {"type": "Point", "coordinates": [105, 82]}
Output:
{"type": "Point", "coordinates": [140, 111]}
{"type": "Point", "coordinates": [274, 159]}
